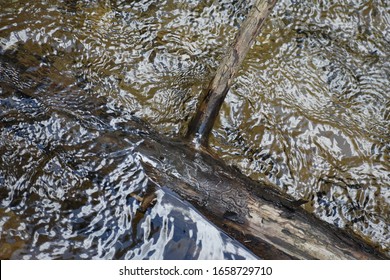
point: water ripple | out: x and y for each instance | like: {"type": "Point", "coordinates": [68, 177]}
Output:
{"type": "Point", "coordinates": [309, 111]}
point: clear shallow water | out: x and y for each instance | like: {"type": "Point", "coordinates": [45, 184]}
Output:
{"type": "Point", "coordinates": [67, 192]}
{"type": "Point", "coordinates": [309, 112]}
{"type": "Point", "coordinates": [311, 107]}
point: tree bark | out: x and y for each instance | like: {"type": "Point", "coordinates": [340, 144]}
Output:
{"type": "Point", "coordinates": [269, 223]}
{"type": "Point", "coordinates": [202, 123]}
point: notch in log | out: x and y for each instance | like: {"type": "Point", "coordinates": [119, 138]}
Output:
{"type": "Point", "coordinates": [202, 123]}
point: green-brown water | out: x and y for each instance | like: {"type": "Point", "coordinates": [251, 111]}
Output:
{"type": "Point", "coordinates": [309, 112]}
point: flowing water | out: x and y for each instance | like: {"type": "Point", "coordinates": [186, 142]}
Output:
{"type": "Point", "coordinates": [309, 112]}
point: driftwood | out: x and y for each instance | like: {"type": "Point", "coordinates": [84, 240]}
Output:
{"type": "Point", "coordinates": [270, 224]}
{"type": "Point", "coordinates": [202, 123]}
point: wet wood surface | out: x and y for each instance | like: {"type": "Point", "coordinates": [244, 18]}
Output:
{"type": "Point", "coordinates": [269, 223]}
{"type": "Point", "coordinates": [202, 123]}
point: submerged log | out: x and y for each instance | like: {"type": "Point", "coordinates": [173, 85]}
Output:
{"type": "Point", "coordinates": [202, 123]}
{"type": "Point", "coordinates": [271, 224]}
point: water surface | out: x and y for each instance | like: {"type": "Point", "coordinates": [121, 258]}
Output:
{"type": "Point", "coordinates": [309, 112]}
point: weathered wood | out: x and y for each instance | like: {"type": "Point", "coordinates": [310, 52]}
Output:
{"type": "Point", "coordinates": [202, 123]}
{"type": "Point", "coordinates": [267, 222]}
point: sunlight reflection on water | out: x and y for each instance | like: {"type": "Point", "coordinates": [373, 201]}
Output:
{"type": "Point", "coordinates": [309, 112]}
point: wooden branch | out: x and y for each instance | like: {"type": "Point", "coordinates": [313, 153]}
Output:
{"type": "Point", "coordinates": [200, 126]}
